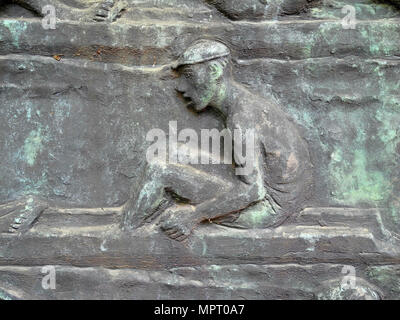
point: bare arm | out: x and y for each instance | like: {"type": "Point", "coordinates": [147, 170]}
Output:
{"type": "Point", "coordinates": [229, 203]}
{"type": "Point", "coordinates": [250, 188]}
{"type": "Point", "coordinates": [178, 223]}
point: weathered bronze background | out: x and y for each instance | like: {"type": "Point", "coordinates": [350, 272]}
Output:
{"type": "Point", "coordinates": [76, 103]}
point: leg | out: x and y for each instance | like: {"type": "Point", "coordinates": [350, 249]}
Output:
{"type": "Point", "coordinates": [162, 184]}
{"type": "Point", "coordinates": [147, 196]}
{"type": "Point", "coordinates": [109, 10]}
{"type": "Point", "coordinates": [27, 210]}
{"type": "Point", "coordinates": [19, 216]}
{"type": "Point", "coordinates": [97, 10]}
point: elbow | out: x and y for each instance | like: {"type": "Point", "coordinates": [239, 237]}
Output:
{"type": "Point", "coordinates": [256, 192]}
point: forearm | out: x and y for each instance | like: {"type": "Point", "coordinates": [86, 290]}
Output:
{"type": "Point", "coordinates": [227, 203]}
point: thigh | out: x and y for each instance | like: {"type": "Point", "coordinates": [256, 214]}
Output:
{"type": "Point", "coordinates": [191, 183]}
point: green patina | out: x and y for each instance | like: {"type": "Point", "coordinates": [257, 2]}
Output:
{"type": "Point", "coordinates": [321, 13]}
{"type": "Point", "coordinates": [380, 37]}
{"type": "Point", "coordinates": [388, 131]}
{"type": "Point", "coordinates": [386, 276]}
{"type": "Point", "coordinates": [62, 110]}
{"type": "Point", "coordinates": [354, 182]}
{"type": "Point", "coordinates": [214, 89]}
{"type": "Point", "coordinates": [363, 11]}
{"type": "Point", "coordinates": [363, 161]}
{"type": "Point", "coordinates": [257, 216]}
{"type": "Point", "coordinates": [353, 167]}
{"type": "Point", "coordinates": [32, 186]}
{"type": "Point", "coordinates": [16, 29]}
{"type": "Point", "coordinates": [354, 175]}
{"type": "Point", "coordinates": [4, 296]}
{"type": "Point", "coordinates": [33, 146]}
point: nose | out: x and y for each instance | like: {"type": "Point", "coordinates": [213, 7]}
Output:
{"type": "Point", "coordinates": [181, 87]}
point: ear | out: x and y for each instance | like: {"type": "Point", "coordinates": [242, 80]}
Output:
{"type": "Point", "coordinates": [216, 70]}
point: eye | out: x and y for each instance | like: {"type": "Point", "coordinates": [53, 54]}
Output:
{"type": "Point", "coordinates": [188, 73]}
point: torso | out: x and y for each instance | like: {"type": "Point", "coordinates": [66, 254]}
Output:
{"type": "Point", "coordinates": [287, 168]}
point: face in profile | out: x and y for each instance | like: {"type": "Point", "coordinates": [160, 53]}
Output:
{"type": "Point", "coordinates": [198, 85]}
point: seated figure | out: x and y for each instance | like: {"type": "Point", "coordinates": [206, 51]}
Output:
{"type": "Point", "coordinates": [281, 172]}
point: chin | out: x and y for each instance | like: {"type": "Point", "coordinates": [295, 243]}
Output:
{"type": "Point", "coordinates": [199, 108]}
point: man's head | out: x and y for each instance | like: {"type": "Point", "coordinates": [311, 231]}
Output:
{"type": "Point", "coordinates": [203, 67]}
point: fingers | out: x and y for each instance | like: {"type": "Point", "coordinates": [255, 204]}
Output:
{"type": "Point", "coordinates": [181, 238]}
{"type": "Point", "coordinates": [103, 11]}
{"type": "Point", "coordinates": [12, 229]}
{"type": "Point", "coordinates": [15, 226]}
{"type": "Point", "coordinates": [106, 6]}
{"type": "Point", "coordinates": [176, 224]}
{"type": "Point", "coordinates": [18, 222]}
{"type": "Point", "coordinates": [32, 210]}
{"type": "Point", "coordinates": [175, 233]}
{"type": "Point", "coordinates": [109, 3]}
{"type": "Point", "coordinates": [170, 231]}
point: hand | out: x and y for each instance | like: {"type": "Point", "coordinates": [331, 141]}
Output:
{"type": "Point", "coordinates": [27, 212]}
{"type": "Point", "coordinates": [109, 10]}
{"type": "Point", "coordinates": [178, 222]}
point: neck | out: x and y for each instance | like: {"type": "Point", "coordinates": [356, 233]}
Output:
{"type": "Point", "coordinates": [226, 96]}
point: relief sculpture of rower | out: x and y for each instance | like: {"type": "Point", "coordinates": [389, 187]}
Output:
{"type": "Point", "coordinates": [279, 174]}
